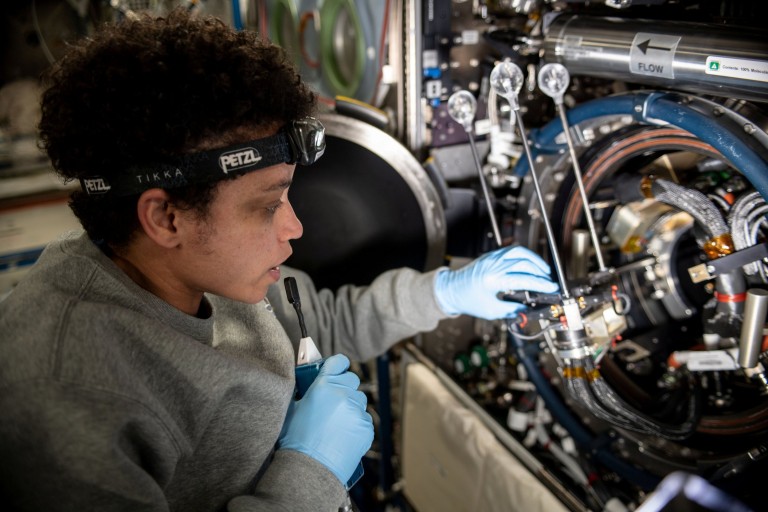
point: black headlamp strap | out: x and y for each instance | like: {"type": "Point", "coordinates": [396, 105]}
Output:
{"type": "Point", "coordinates": [196, 168]}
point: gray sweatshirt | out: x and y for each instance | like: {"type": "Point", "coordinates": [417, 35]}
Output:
{"type": "Point", "coordinates": [111, 399]}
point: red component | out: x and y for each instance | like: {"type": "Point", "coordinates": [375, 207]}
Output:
{"type": "Point", "coordinates": [724, 297]}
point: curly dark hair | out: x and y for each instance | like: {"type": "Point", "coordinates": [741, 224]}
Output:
{"type": "Point", "coordinates": [142, 90]}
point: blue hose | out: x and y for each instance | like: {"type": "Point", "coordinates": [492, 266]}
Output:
{"type": "Point", "coordinates": [647, 108]}
{"type": "Point", "coordinates": [654, 107]}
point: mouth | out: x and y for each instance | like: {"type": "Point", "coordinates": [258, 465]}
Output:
{"type": "Point", "coordinates": [275, 271]}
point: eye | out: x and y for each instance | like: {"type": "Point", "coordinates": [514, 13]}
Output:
{"type": "Point", "coordinates": [273, 208]}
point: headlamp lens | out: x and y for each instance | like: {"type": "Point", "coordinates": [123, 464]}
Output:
{"type": "Point", "coordinates": [307, 138]}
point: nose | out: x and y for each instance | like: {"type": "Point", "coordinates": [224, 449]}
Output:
{"type": "Point", "coordinates": [291, 228]}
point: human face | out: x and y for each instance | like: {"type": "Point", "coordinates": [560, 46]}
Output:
{"type": "Point", "coordinates": [237, 249]}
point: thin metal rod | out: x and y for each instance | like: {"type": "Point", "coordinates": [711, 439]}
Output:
{"type": "Point", "coordinates": [580, 182]}
{"type": "Point", "coordinates": [488, 202]}
{"type": "Point", "coordinates": [547, 226]}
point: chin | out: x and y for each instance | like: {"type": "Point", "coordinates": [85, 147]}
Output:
{"type": "Point", "coordinates": [252, 295]}
{"type": "Point", "coordinates": [255, 298]}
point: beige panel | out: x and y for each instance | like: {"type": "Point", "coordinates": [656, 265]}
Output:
{"type": "Point", "coordinates": [32, 226]}
{"type": "Point", "coordinates": [452, 462]}
{"type": "Point", "coordinates": [25, 230]}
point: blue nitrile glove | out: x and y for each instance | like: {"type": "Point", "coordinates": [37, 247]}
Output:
{"type": "Point", "coordinates": [472, 289]}
{"type": "Point", "coordinates": [330, 423]}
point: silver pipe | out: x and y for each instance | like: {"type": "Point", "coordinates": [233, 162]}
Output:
{"type": "Point", "coordinates": [397, 51]}
{"type": "Point", "coordinates": [544, 218]}
{"type": "Point", "coordinates": [579, 262]}
{"type": "Point", "coordinates": [751, 339]}
{"type": "Point", "coordinates": [462, 107]}
{"type": "Point", "coordinates": [414, 130]}
{"type": "Point", "coordinates": [486, 194]}
{"type": "Point", "coordinates": [580, 183]}
{"type": "Point", "coordinates": [696, 57]}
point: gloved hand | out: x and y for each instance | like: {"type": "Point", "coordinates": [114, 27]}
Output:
{"type": "Point", "coordinates": [472, 289]}
{"type": "Point", "coordinates": [330, 423]}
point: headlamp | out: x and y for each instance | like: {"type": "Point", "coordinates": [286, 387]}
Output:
{"type": "Point", "coordinates": [301, 142]}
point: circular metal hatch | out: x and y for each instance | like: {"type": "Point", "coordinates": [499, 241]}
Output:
{"type": "Point", "coordinates": [367, 206]}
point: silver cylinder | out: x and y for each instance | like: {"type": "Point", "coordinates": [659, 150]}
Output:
{"type": "Point", "coordinates": [751, 340]}
{"type": "Point", "coordinates": [694, 57]}
{"type": "Point", "coordinates": [579, 260]}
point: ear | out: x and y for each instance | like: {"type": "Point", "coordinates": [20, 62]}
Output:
{"type": "Point", "coordinates": [158, 217]}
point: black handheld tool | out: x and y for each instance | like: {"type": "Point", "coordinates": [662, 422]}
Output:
{"type": "Point", "coordinates": [292, 292]}
{"type": "Point", "coordinates": [309, 360]}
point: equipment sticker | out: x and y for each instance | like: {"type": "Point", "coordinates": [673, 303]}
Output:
{"type": "Point", "coordinates": [470, 37]}
{"type": "Point", "coordinates": [573, 49]}
{"type": "Point", "coordinates": [652, 54]}
{"type": "Point", "coordinates": [747, 69]}
{"type": "Point", "coordinates": [710, 360]}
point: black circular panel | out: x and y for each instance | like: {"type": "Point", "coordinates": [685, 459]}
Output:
{"type": "Point", "coordinates": [360, 217]}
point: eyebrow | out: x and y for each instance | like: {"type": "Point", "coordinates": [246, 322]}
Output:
{"type": "Point", "coordinates": [280, 185]}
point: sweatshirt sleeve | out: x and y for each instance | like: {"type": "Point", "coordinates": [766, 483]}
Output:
{"type": "Point", "coordinates": [361, 321]}
{"type": "Point", "coordinates": [294, 482]}
{"type": "Point", "coordinates": [66, 448]}
{"type": "Point", "coordinates": [69, 448]}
